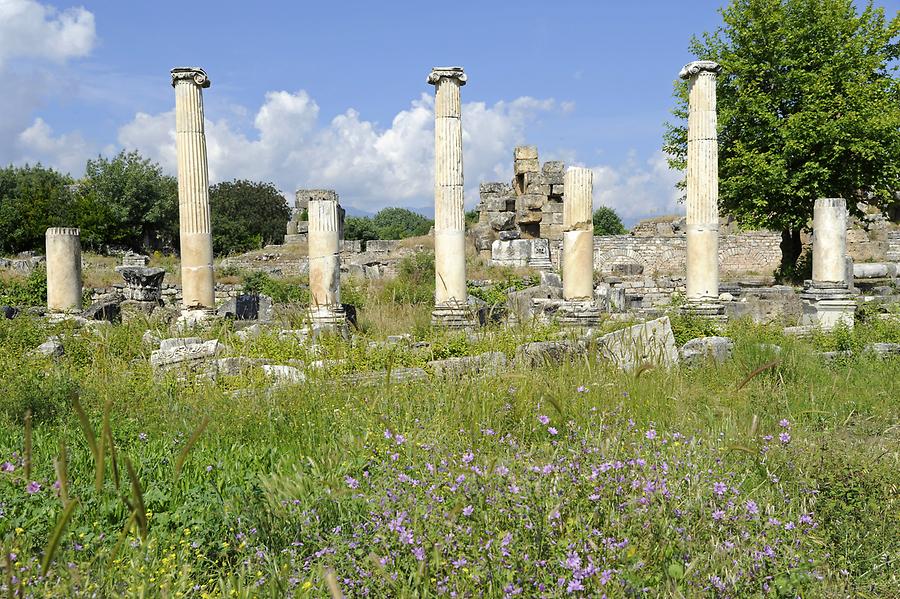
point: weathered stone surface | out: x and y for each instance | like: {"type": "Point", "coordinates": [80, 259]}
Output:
{"type": "Point", "coordinates": [248, 333]}
{"type": "Point", "coordinates": [532, 201]}
{"type": "Point", "coordinates": [525, 153]}
{"type": "Point", "coordinates": [398, 375]}
{"type": "Point", "coordinates": [502, 221]}
{"type": "Point", "coordinates": [883, 349]}
{"type": "Point", "coordinates": [171, 354]}
{"type": "Point", "coordinates": [284, 375]}
{"type": "Point", "coordinates": [232, 366]}
{"type": "Point", "coordinates": [550, 279]}
{"type": "Point", "coordinates": [521, 304]}
{"type": "Point", "coordinates": [553, 166]}
{"type": "Point", "coordinates": [9, 312]}
{"type": "Point", "coordinates": [52, 348]}
{"type": "Point", "coordinates": [528, 217]}
{"type": "Point", "coordinates": [509, 235]}
{"type": "Point", "coordinates": [495, 188]}
{"type": "Point", "coordinates": [542, 353]}
{"type": "Point", "coordinates": [874, 270]}
{"type": "Point", "coordinates": [176, 342]}
{"type": "Point", "coordinates": [650, 343]}
{"type": "Point", "coordinates": [382, 245]}
{"type": "Point", "coordinates": [696, 351]}
{"type": "Point", "coordinates": [487, 363]}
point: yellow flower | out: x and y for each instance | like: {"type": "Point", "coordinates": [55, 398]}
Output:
{"type": "Point", "coordinates": [19, 530]}
{"type": "Point", "coordinates": [307, 585]}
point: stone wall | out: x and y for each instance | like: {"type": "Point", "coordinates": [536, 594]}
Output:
{"type": "Point", "coordinates": [751, 252]}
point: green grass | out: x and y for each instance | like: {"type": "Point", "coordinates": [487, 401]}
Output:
{"type": "Point", "coordinates": [272, 492]}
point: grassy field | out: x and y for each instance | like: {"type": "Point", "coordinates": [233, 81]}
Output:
{"type": "Point", "coordinates": [569, 479]}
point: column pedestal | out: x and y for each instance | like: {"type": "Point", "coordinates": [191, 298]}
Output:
{"type": "Point", "coordinates": [826, 304]}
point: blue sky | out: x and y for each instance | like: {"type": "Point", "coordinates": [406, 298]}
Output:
{"type": "Point", "coordinates": [317, 94]}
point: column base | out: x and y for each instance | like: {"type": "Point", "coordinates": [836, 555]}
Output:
{"type": "Point", "coordinates": [704, 308]}
{"type": "Point", "coordinates": [827, 304]}
{"type": "Point", "coordinates": [332, 319]}
{"type": "Point", "coordinates": [578, 313]}
{"type": "Point", "coordinates": [455, 315]}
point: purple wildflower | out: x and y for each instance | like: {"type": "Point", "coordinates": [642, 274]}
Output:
{"type": "Point", "coordinates": [785, 438]}
{"type": "Point", "coordinates": [719, 489]}
{"type": "Point", "coordinates": [7, 467]}
{"type": "Point", "coordinates": [784, 423]}
{"type": "Point", "coordinates": [351, 482]}
{"type": "Point", "coordinates": [552, 430]}
{"type": "Point", "coordinates": [544, 419]}
{"type": "Point", "coordinates": [33, 487]}
{"type": "Point", "coordinates": [651, 434]}
{"type": "Point", "coordinates": [467, 511]}
{"type": "Point", "coordinates": [751, 507]}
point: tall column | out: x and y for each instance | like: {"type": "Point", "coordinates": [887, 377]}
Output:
{"type": "Point", "coordinates": [578, 234]}
{"type": "Point", "coordinates": [198, 287]}
{"type": "Point", "coordinates": [702, 186]}
{"type": "Point", "coordinates": [829, 241]}
{"type": "Point", "coordinates": [450, 294]}
{"type": "Point", "coordinates": [63, 269]}
{"type": "Point", "coordinates": [325, 227]}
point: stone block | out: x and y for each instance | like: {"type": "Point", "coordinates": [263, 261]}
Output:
{"type": "Point", "coordinates": [497, 204]}
{"type": "Point", "coordinates": [554, 178]}
{"type": "Point", "coordinates": [528, 217]}
{"type": "Point", "coordinates": [874, 270]}
{"type": "Point", "coordinates": [651, 343]}
{"type": "Point", "coordinates": [303, 196]}
{"type": "Point", "coordinates": [532, 201]}
{"type": "Point", "coordinates": [514, 253]}
{"type": "Point", "coordinates": [550, 279]}
{"type": "Point", "coordinates": [502, 221]}
{"type": "Point", "coordinates": [510, 235]}
{"type": "Point", "coordinates": [489, 363]}
{"type": "Point", "coordinates": [526, 166]}
{"type": "Point", "coordinates": [172, 354]}
{"type": "Point", "coordinates": [525, 153]}
{"type": "Point", "coordinates": [553, 207]}
{"type": "Point", "coordinates": [494, 188]}
{"type": "Point", "coordinates": [543, 353]}
{"type": "Point", "coordinates": [52, 348]}
{"type": "Point", "coordinates": [557, 189]}
{"type": "Point", "coordinates": [699, 350]}
{"type": "Point", "coordinates": [283, 375]}
{"type": "Point", "coordinates": [532, 183]}
{"type": "Point", "coordinates": [484, 237]}
{"type": "Point", "coordinates": [554, 166]}
{"type": "Point", "coordinates": [382, 245]}
{"type": "Point", "coordinates": [351, 246]}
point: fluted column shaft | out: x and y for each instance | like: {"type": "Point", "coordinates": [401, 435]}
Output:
{"type": "Point", "coordinates": [702, 182]}
{"type": "Point", "coordinates": [63, 269]}
{"type": "Point", "coordinates": [197, 282]}
{"type": "Point", "coordinates": [578, 234]}
{"type": "Point", "coordinates": [829, 240]}
{"type": "Point", "coordinates": [449, 213]}
{"type": "Point", "coordinates": [324, 253]}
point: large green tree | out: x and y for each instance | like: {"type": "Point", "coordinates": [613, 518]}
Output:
{"type": "Point", "coordinates": [127, 201]}
{"type": "Point", "coordinates": [32, 198]}
{"type": "Point", "coordinates": [399, 223]}
{"type": "Point", "coordinates": [246, 215]}
{"type": "Point", "coordinates": [607, 222]}
{"type": "Point", "coordinates": [808, 107]}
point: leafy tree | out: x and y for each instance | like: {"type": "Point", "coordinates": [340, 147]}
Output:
{"type": "Point", "coordinates": [607, 222]}
{"type": "Point", "coordinates": [399, 223]}
{"type": "Point", "coordinates": [127, 202]}
{"type": "Point", "coordinates": [246, 215]}
{"type": "Point", "coordinates": [359, 228]}
{"type": "Point", "coordinates": [808, 106]}
{"type": "Point", "coordinates": [32, 198]}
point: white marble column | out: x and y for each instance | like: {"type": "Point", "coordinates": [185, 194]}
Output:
{"type": "Point", "coordinates": [325, 216]}
{"type": "Point", "coordinates": [578, 235]}
{"type": "Point", "coordinates": [63, 269]}
{"type": "Point", "coordinates": [197, 283]}
{"type": "Point", "coordinates": [702, 183]}
{"type": "Point", "coordinates": [450, 294]}
{"type": "Point", "coordinates": [829, 241]}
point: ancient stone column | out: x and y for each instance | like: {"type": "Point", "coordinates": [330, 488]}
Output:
{"type": "Point", "coordinates": [829, 240]}
{"type": "Point", "coordinates": [450, 294]}
{"type": "Point", "coordinates": [325, 228]}
{"type": "Point", "coordinates": [63, 269]}
{"type": "Point", "coordinates": [827, 299]}
{"type": "Point", "coordinates": [578, 235]}
{"type": "Point", "coordinates": [702, 187]}
{"type": "Point", "coordinates": [198, 287]}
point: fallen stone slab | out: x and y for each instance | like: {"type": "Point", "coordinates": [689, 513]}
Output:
{"type": "Point", "coordinates": [699, 350]}
{"type": "Point", "coordinates": [542, 353]}
{"type": "Point", "coordinates": [487, 363]}
{"type": "Point", "coordinates": [284, 375]}
{"type": "Point", "coordinates": [398, 375]}
{"type": "Point", "coordinates": [107, 310]}
{"type": "Point", "coordinates": [651, 343]}
{"type": "Point", "coordinates": [174, 355]}
{"type": "Point", "coordinates": [883, 349]}
{"type": "Point", "coordinates": [175, 342]}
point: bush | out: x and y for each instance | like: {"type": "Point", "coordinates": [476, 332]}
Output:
{"type": "Point", "coordinates": [414, 283]}
{"type": "Point", "coordinates": [246, 215]}
{"type": "Point", "coordinates": [280, 290]}
{"type": "Point", "coordinates": [30, 291]}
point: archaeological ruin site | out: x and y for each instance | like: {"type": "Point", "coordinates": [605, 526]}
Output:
{"type": "Point", "coordinates": [516, 398]}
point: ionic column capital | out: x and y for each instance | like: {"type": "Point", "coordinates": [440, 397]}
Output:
{"type": "Point", "coordinates": [692, 69]}
{"type": "Point", "coordinates": [195, 74]}
{"type": "Point", "coordinates": [438, 73]}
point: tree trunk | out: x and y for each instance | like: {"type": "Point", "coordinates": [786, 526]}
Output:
{"type": "Point", "coordinates": [791, 247]}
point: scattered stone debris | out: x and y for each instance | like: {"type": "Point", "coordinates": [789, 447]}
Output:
{"type": "Point", "coordinates": [883, 349]}
{"type": "Point", "coordinates": [542, 353]}
{"type": "Point", "coordinates": [52, 348]}
{"type": "Point", "coordinates": [651, 343]}
{"type": "Point", "coordinates": [284, 375]}
{"type": "Point", "coordinates": [488, 363]}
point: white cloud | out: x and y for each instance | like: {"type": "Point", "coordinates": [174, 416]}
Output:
{"type": "Point", "coordinates": [638, 189]}
{"type": "Point", "coordinates": [29, 29]}
{"type": "Point", "coordinates": [371, 167]}
{"type": "Point", "coordinates": [65, 152]}
{"type": "Point", "coordinates": [34, 40]}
